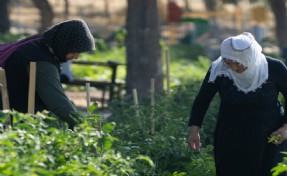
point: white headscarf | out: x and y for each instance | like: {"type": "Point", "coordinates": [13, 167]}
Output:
{"type": "Point", "coordinates": [246, 51]}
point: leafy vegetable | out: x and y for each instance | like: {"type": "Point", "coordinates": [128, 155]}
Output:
{"type": "Point", "coordinates": [274, 138]}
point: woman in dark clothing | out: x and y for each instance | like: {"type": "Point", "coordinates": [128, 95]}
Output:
{"type": "Point", "coordinates": [248, 84]}
{"type": "Point", "coordinates": [60, 43]}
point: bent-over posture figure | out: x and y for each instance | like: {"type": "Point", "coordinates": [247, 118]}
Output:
{"type": "Point", "coordinates": [248, 84]}
{"type": "Point", "coordinates": [60, 43]}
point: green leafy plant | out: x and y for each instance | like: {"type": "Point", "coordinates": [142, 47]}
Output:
{"type": "Point", "coordinates": [166, 144]}
{"type": "Point", "coordinates": [274, 138]}
{"type": "Point", "coordinates": [281, 167]}
{"type": "Point", "coordinates": [7, 38]}
{"type": "Point", "coordinates": [32, 147]}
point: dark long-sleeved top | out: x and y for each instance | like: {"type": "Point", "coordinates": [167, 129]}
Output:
{"type": "Point", "coordinates": [232, 100]}
{"type": "Point", "coordinates": [49, 91]}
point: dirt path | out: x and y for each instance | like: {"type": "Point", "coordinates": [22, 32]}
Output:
{"type": "Point", "coordinates": [80, 100]}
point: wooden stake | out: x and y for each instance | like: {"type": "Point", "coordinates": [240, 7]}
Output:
{"type": "Point", "coordinates": [136, 103]}
{"type": "Point", "coordinates": [167, 57]}
{"type": "Point", "coordinates": [152, 93]}
{"type": "Point", "coordinates": [88, 97]}
{"type": "Point", "coordinates": [135, 97]}
{"type": "Point", "coordinates": [5, 95]}
{"type": "Point", "coordinates": [32, 88]}
{"type": "Point", "coordinates": [4, 90]}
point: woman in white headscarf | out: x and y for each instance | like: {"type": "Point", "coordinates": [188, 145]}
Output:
{"type": "Point", "coordinates": [248, 83]}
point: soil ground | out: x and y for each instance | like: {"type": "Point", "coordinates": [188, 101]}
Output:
{"type": "Point", "coordinates": [79, 98]}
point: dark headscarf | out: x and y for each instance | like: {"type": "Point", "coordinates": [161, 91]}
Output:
{"type": "Point", "coordinates": [67, 37]}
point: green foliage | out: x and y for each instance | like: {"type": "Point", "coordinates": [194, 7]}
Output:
{"type": "Point", "coordinates": [99, 72]}
{"type": "Point", "coordinates": [93, 107]}
{"type": "Point", "coordinates": [190, 52]}
{"type": "Point", "coordinates": [281, 167]}
{"type": "Point", "coordinates": [187, 58]}
{"type": "Point", "coordinates": [120, 37]}
{"type": "Point", "coordinates": [160, 132]}
{"type": "Point", "coordinates": [203, 163]}
{"type": "Point", "coordinates": [274, 138]}
{"type": "Point", "coordinates": [32, 147]}
{"type": "Point", "coordinates": [100, 44]}
{"type": "Point", "coordinates": [7, 38]}
{"type": "Point", "coordinates": [152, 143]}
{"type": "Point", "coordinates": [190, 71]}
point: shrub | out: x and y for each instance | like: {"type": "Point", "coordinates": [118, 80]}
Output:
{"type": "Point", "coordinates": [160, 132]}
{"type": "Point", "coordinates": [32, 147]}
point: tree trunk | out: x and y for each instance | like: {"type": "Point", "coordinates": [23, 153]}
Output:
{"type": "Point", "coordinates": [143, 49]}
{"type": "Point", "coordinates": [186, 5]}
{"type": "Point", "coordinates": [107, 12]}
{"type": "Point", "coordinates": [46, 13]}
{"type": "Point", "coordinates": [4, 16]}
{"type": "Point", "coordinates": [279, 10]}
{"type": "Point", "coordinates": [66, 9]}
{"type": "Point", "coordinates": [210, 5]}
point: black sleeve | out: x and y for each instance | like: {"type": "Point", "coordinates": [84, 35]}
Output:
{"type": "Point", "coordinates": [202, 101]}
{"type": "Point", "coordinates": [49, 88]}
{"type": "Point", "coordinates": [281, 72]}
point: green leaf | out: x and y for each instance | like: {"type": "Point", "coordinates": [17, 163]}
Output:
{"type": "Point", "coordinates": [93, 107]}
{"type": "Point", "coordinates": [109, 127]}
{"type": "Point", "coordinates": [146, 159]}
{"type": "Point", "coordinates": [274, 138]}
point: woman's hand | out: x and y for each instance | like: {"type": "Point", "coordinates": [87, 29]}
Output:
{"type": "Point", "coordinates": [282, 131]}
{"type": "Point", "coordinates": [194, 138]}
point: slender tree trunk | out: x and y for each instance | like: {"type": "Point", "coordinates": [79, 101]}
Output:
{"type": "Point", "coordinates": [143, 49]}
{"type": "Point", "coordinates": [46, 13]}
{"type": "Point", "coordinates": [210, 5]}
{"type": "Point", "coordinates": [66, 9]}
{"type": "Point", "coordinates": [279, 10]}
{"type": "Point", "coordinates": [107, 12]}
{"type": "Point", "coordinates": [186, 4]}
{"type": "Point", "coordinates": [4, 16]}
